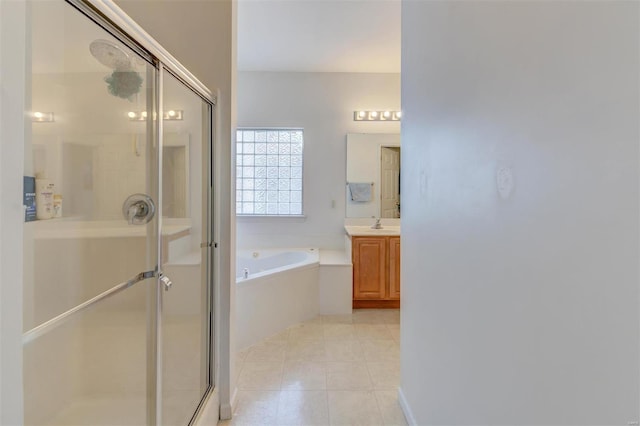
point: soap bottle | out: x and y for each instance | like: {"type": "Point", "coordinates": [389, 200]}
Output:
{"type": "Point", "coordinates": [44, 198]}
{"type": "Point", "coordinates": [57, 205]}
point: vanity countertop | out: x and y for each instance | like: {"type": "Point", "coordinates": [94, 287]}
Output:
{"type": "Point", "coordinates": [367, 231]}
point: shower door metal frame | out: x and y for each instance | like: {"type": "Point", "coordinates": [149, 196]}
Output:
{"type": "Point", "coordinates": [111, 18]}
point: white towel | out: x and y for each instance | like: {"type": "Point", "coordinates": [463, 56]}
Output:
{"type": "Point", "coordinates": [360, 192]}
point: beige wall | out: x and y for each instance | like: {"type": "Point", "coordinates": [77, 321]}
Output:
{"type": "Point", "coordinates": [322, 104]}
{"type": "Point", "coordinates": [200, 34]}
{"type": "Point", "coordinates": [13, 129]}
{"type": "Point", "coordinates": [521, 307]}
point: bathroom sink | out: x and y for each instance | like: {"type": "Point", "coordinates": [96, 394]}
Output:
{"type": "Point", "coordinates": [355, 230]}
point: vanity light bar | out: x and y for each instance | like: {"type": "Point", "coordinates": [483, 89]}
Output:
{"type": "Point", "coordinates": [172, 114]}
{"type": "Point", "coordinates": [377, 115]}
{"type": "Point", "coordinates": [42, 117]}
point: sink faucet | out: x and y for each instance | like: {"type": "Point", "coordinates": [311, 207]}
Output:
{"type": "Point", "coordinates": [377, 224]}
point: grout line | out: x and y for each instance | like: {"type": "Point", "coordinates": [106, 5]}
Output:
{"type": "Point", "coordinates": [356, 339]}
{"type": "Point", "coordinates": [373, 386]}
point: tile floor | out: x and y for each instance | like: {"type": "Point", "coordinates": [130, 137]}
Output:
{"type": "Point", "coordinates": [332, 370]}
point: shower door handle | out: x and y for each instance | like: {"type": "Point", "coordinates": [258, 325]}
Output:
{"type": "Point", "coordinates": [49, 325]}
{"type": "Point", "coordinates": [166, 282]}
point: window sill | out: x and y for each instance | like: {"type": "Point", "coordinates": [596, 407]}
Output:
{"type": "Point", "coordinates": [255, 217]}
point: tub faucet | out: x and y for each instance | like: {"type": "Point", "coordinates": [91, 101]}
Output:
{"type": "Point", "coordinates": [246, 273]}
{"type": "Point", "coordinates": [377, 224]}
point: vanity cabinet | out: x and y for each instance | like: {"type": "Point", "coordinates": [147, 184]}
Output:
{"type": "Point", "coordinates": [394, 268]}
{"type": "Point", "coordinates": [376, 271]}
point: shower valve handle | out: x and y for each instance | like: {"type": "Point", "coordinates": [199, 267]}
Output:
{"type": "Point", "coordinates": [166, 282]}
{"type": "Point", "coordinates": [138, 209]}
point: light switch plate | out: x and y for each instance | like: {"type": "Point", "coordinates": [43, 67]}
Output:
{"type": "Point", "coordinates": [505, 181]}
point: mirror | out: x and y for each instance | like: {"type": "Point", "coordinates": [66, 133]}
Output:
{"type": "Point", "coordinates": [373, 175]}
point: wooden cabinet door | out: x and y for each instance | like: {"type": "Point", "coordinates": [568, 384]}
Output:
{"type": "Point", "coordinates": [394, 268]}
{"type": "Point", "coordinates": [369, 267]}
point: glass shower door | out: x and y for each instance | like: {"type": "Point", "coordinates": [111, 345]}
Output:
{"type": "Point", "coordinates": [186, 197]}
{"type": "Point", "coordinates": [91, 243]}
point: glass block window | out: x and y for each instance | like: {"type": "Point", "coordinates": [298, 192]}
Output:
{"type": "Point", "coordinates": [269, 172]}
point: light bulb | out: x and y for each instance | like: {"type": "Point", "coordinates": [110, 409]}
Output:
{"type": "Point", "coordinates": [37, 114]}
{"type": "Point", "coordinates": [144, 114]}
{"type": "Point", "coordinates": [386, 114]}
{"type": "Point", "coordinates": [399, 114]}
{"type": "Point", "coordinates": [172, 113]}
{"type": "Point", "coordinates": [131, 114]}
{"type": "Point", "coordinates": [361, 114]}
{"type": "Point", "coordinates": [374, 114]}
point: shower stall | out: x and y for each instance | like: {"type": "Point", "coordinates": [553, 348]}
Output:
{"type": "Point", "coordinates": [119, 245]}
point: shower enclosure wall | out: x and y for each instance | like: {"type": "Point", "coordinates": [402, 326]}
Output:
{"type": "Point", "coordinates": [118, 256]}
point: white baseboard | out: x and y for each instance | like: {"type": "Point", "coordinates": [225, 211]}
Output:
{"type": "Point", "coordinates": [408, 414]}
{"type": "Point", "coordinates": [226, 410]}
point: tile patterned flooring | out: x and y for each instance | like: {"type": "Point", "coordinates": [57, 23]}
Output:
{"type": "Point", "coordinates": [332, 370]}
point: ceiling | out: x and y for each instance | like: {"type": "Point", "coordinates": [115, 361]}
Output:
{"type": "Point", "coordinates": [319, 35]}
{"type": "Point", "coordinates": [273, 35]}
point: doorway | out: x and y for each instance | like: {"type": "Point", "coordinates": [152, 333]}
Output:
{"type": "Point", "coordinates": [390, 181]}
